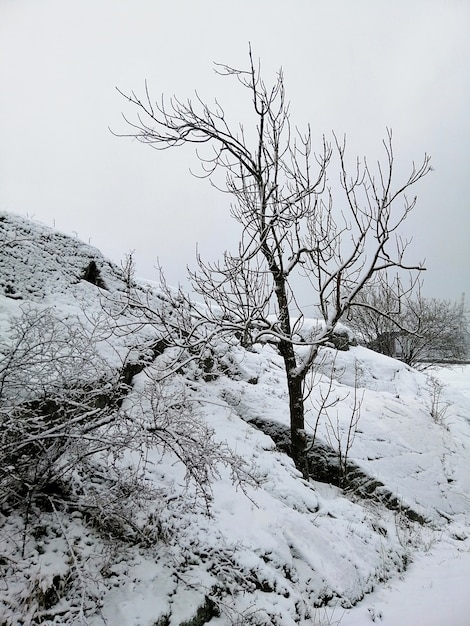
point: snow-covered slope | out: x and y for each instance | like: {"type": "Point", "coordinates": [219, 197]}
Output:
{"type": "Point", "coordinates": [129, 540]}
{"type": "Point", "coordinates": [37, 262]}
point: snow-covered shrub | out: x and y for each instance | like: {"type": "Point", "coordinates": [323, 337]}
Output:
{"type": "Point", "coordinates": [61, 403]}
{"type": "Point", "coordinates": [163, 418]}
{"type": "Point", "coordinates": [55, 391]}
{"type": "Point", "coordinates": [81, 446]}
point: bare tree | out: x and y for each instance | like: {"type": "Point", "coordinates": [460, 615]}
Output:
{"type": "Point", "coordinates": [418, 330]}
{"type": "Point", "coordinates": [296, 237]}
{"type": "Point", "coordinates": [440, 332]}
{"type": "Point", "coordinates": [375, 319]}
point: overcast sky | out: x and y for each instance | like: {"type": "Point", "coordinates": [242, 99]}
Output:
{"type": "Point", "coordinates": [353, 66]}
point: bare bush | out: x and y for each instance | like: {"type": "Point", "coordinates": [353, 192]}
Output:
{"type": "Point", "coordinates": [438, 407]}
{"type": "Point", "coordinates": [80, 441]}
{"type": "Point", "coordinates": [61, 402]}
{"type": "Point", "coordinates": [340, 432]}
{"type": "Point", "coordinates": [55, 391]}
{"type": "Point", "coordinates": [164, 419]}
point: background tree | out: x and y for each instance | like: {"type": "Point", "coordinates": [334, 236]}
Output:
{"type": "Point", "coordinates": [296, 235]}
{"type": "Point", "coordinates": [378, 318]}
{"type": "Point", "coordinates": [440, 332]}
{"type": "Point", "coordinates": [418, 330]}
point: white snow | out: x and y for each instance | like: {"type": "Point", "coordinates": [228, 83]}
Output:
{"type": "Point", "coordinates": [433, 592]}
{"type": "Point", "coordinates": [275, 549]}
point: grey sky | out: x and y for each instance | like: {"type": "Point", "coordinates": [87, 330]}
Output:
{"type": "Point", "coordinates": [355, 67]}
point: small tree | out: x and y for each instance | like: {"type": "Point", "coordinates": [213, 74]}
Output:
{"type": "Point", "coordinates": [295, 237]}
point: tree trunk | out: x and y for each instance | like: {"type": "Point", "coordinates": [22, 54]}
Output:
{"type": "Point", "coordinates": [297, 424]}
{"type": "Point", "coordinates": [294, 379]}
{"type": "Point", "coordinates": [296, 408]}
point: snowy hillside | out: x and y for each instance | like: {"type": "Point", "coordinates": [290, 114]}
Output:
{"type": "Point", "coordinates": [140, 486]}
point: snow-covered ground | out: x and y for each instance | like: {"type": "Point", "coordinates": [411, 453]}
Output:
{"type": "Point", "coordinates": [435, 589]}
{"type": "Point", "coordinates": [456, 376]}
{"type": "Point", "coordinates": [131, 542]}
{"type": "Point", "coordinates": [433, 592]}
